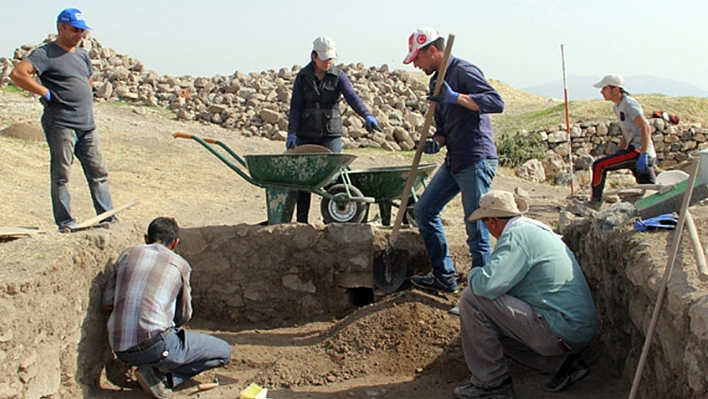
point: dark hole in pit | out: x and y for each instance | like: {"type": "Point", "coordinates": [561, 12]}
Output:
{"type": "Point", "coordinates": [360, 296]}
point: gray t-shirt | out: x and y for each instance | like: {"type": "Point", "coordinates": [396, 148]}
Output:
{"type": "Point", "coordinates": [66, 74]}
{"type": "Point", "coordinates": [627, 110]}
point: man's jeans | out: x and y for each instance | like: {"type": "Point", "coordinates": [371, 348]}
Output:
{"type": "Point", "coordinates": [64, 143]}
{"type": "Point", "coordinates": [472, 182]}
{"type": "Point", "coordinates": [182, 354]}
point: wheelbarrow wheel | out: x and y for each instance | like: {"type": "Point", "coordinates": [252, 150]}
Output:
{"type": "Point", "coordinates": [343, 211]}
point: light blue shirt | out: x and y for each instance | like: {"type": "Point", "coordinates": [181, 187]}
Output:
{"type": "Point", "coordinates": [534, 265]}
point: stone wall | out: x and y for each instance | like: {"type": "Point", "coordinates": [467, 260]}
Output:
{"type": "Point", "coordinates": [625, 271]}
{"type": "Point", "coordinates": [255, 104]}
{"type": "Point", "coordinates": [673, 143]}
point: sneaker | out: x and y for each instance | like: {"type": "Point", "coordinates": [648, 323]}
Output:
{"type": "Point", "coordinates": [572, 371]}
{"type": "Point", "coordinates": [470, 391]}
{"type": "Point", "coordinates": [430, 282]}
{"type": "Point", "coordinates": [153, 382]}
{"type": "Point", "coordinates": [595, 204]}
{"type": "Point", "coordinates": [455, 311]}
{"type": "Point", "coordinates": [70, 228]}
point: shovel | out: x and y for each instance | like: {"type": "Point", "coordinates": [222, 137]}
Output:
{"type": "Point", "coordinates": [391, 264]}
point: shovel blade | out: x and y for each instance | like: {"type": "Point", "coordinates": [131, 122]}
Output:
{"type": "Point", "coordinates": [390, 268]}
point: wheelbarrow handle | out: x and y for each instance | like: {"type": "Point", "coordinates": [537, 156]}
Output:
{"type": "Point", "coordinates": [209, 140]}
{"type": "Point", "coordinates": [181, 135]}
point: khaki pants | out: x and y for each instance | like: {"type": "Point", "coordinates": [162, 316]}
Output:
{"type": "Point", "coordinates": [506, 325]}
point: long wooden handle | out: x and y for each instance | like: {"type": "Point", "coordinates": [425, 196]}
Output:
{"type": "Point", "coordinates": [105, 215]}
{"type": "Point", "coordinates": [442, 69]}
{"type": "Point", "coordinates": [661, 291]}
{"type": "Point", "coordinates": [181, 135]}
{"type": "Point", "coordinates": [697, 248]}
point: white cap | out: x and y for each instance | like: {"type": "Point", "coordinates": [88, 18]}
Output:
{"type": "Point", "coordinates": [610, 80]}
{"type": "Point", "coordinates": [419, 39]}
{"type": "Point", "coordinates": [325, 47]}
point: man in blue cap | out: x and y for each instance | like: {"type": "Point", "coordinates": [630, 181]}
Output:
{"type": "Point", "coordinates": [66, 92]}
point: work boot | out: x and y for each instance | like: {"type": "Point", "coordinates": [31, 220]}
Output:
{"type": "Point", "coordinates": [572, 371]}
{"type": "Point", "coordinates": [504, 391]}
{"type": "Point", "coordinates": [153, 382]}
{"type": "Point", "coordinates": [430, 282]}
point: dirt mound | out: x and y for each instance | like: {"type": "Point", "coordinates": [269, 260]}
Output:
{"type": "Point", "coordinates": [23, 131]}
{"type": "Point", "coordinates": [398, 337]}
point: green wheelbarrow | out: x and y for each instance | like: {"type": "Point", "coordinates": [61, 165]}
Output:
{"type": "Point", "coordinates": [385, 185]}
{"type": "Point", "coordinates": [284, 175]}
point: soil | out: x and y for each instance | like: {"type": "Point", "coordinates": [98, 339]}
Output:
{"type": "Point", "coordinates": [403, 346]}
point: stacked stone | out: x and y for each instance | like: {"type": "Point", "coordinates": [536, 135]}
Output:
{"type": "Point", "coordinates": [673, 143]}
{"type": "Point", "coordinates": [255, 104]}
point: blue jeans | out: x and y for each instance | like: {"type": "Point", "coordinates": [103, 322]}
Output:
{"type": "Point", "coordinates": [472, 182]}
{"type": "Point", "coordinates": [182, 355]}
{"type": "Point", "coordinates": [63, 144]}
{"type": "Point", "coordinates": [304, 198]}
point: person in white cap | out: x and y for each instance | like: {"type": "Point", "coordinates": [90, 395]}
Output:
{"type": "Point", "coordinates": [65, 90]}
{"type": "Point", "coordinates": [636, 148]}
{"type": "Point", "coordinates": [464, 127]}
{"type": "Point", "coordinates": [315, 117]}
{"type": "Point", "coordinates": [530, 302]}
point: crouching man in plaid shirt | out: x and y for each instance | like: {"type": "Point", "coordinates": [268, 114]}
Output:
{"type": "Point", "coordinates": [149, 298]}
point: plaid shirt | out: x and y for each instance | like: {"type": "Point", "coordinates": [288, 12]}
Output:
{"type": "Point", "coordinates": [149, 292]}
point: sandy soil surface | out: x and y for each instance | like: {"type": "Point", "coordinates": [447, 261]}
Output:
{"type": "Point", "coordinates": [404, 346]}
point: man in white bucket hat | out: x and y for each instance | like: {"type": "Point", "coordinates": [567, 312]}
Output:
{"type": "Point", "coordinates": [529, 302]}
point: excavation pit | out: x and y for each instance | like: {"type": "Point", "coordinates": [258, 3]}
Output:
{"type": "Point", "coordinates": [299, 307]}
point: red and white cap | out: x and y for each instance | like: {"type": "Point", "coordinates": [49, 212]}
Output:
{"type": "Point", "coordinates": [419, 39]}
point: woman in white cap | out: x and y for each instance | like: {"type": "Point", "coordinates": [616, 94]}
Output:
{"type": "Point", "coordinates": [315, 117]}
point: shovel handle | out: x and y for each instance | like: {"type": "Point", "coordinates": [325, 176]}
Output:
{"type": "Point", "coordinates": [208, 386]}
{"type": "Point", "coordinates": [423, 136]}
{"type": "Point", "coordinates": [181, 135]}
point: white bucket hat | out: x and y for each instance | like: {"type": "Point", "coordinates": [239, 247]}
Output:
{"type": "Point", "coordinates": [498, 203]}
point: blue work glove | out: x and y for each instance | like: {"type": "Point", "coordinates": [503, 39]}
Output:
{"type": "Point", "coordinates": [372, 124]}
{"type": "Point", "coordinates": [446, 95]}
{"type": "Point", "coordinates": [431, 146]}
{"type": "Point", "coordinates": [46, 98]}
{"type": "Point", "coordinates": [642, 162]}
{"type": "Point", "coordinates": [290, 141]}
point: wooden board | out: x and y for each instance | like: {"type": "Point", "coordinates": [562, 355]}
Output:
{"type": "Point", "coordinates": [9, 231]}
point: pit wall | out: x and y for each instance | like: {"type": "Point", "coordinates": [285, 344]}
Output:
{"type": "Point", "coordinates": [53, 340]}
{"type": "Point", "coordinates": [625, 271]}
{"type": "Point", "coordinates": [288, 273]}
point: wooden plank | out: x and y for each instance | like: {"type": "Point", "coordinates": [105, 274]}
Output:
{"type": "Point", "coordinates": [104, 215]}
{"type": "Point", "coordinates": [9, 231]}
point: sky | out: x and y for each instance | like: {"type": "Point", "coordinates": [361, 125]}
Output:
{"type": "Point", "coordinates": [517, 42]}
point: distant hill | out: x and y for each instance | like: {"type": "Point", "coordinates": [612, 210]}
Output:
{"type": "Point", "coordinates": [580, 87]}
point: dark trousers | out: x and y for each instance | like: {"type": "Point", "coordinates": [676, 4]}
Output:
{"type": "Point", "coordinates": [304, 198]}
{"type": "Point", "coordinates": [622, 159]}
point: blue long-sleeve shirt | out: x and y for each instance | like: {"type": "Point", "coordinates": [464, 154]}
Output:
{"type": "Point", "coordinates": [468, 134]}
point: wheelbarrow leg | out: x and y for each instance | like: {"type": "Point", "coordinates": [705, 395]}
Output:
{"type": "Point", "coordinates": [385, 209]}
{"type": "Point", "coordinates": [281, 204]}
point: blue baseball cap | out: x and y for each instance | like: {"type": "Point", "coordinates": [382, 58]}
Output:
{"type": "Point", "coordinates": [73, 17]}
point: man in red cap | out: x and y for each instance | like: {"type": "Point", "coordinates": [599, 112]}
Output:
{"type": "Point", "coordinates": [464, 127]}
{"type": "Point", "coordinates": [65, 90]}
